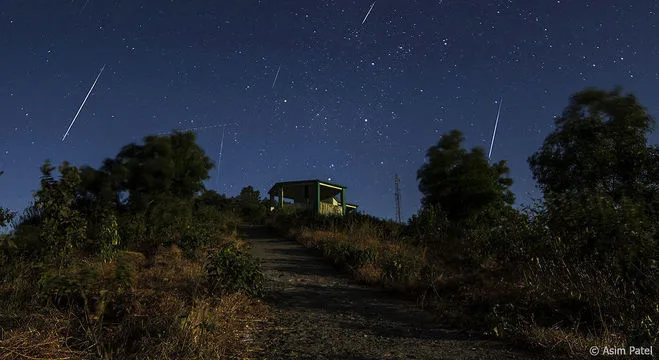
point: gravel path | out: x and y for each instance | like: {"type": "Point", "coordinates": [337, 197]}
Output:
{"type": "Point", "coordinates": [320, 314]}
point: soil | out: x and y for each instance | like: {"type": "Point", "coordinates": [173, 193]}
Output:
{"type": "Point", "coordinates": [319, 313]}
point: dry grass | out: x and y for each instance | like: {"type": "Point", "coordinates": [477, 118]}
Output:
{"type": "Point", "coordinates": [369, 274]}
{"type": "Point", "coordinates": [544, 307]}
{"type": "Point", "coordinates": [40, 337]}
{"type": "Point", "coordinates": [167, 314]}
{"type": "Point", "coordinates": [555, 338]}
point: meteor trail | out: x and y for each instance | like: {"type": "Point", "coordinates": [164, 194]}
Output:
{"type": "Point", "coordinates": [495, 128]}
{"type": "Point", "coordinates": [197, 128]}
{"type": "Point", "coordinates": [83, 103]}
{"type": "Point", "coordinates": [368, 13]}
{"type": "Point", "coordinates": [276, 76]}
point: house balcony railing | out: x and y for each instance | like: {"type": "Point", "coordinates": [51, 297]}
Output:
{"type": "Point", "coordinates": [325, 209]}
{"type": "Point", "coordinates": [329, 209]}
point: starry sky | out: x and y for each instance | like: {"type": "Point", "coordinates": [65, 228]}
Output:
{"type": "Point", "coordinates": [308, 89]}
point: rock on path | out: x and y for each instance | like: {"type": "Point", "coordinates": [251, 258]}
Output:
{"type": "Point", "coordinates": [320, 314]}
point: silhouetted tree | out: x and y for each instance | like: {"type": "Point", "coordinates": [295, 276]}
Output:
{"type": "Point", "coordinates": [212, 198]}
{"type": "Point", "coordinates": [248, 196]}
{"type": "Point", "coordinates": [164, 166]}
{"type": "Point", "coordinates": [600, 145]}
{"type": "Point", "coordinates": [252, 209]}
{"type": "Point", "coordinates": [600, 180]}
{"type": "Point", "coordinates": [462, 183]}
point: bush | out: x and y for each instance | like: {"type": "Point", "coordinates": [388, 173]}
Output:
{"type": "Point", "coordinates": [593, 225]}
{"type": "Point", "coordinates": [27, 231]}
{"type": "Point", "coordinates": [231, 269]}
{"type": "Point", "coordinates": [132, 230]}
{"type": "Point", "coordinates": [210, 227]}
{"type": "Point", "coordinates": [63, 228]}
{"type": "Point", "coordinates": [96, 289]}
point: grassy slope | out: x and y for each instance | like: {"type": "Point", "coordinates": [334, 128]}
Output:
{"type": "Point", "coordinates": [158, 309]}
{"type": "Point", "coordinates": [487, 297]}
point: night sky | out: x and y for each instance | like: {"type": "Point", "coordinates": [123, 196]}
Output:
{"type": "Point", "coordinates": [355, 103]}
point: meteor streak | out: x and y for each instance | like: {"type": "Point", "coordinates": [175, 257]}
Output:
{"type": "Point", "coordinates": [276, 76]}
{"type": "Point", "coordinates": [368, 13]}
{"type": "Point", "coordinates": [83, 103]}
{"type": "Point", "coordinates": [197, 128]}
{"type": "Point", "coordinates": [495, 128]}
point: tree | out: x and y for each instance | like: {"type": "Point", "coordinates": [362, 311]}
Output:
{"type": "Point", "coordinates": [164, 166]}
{"type": "Point", "coordinates": [600, 144]}
{"type": "Point", "coordinates": [252, 209]}
{"type": "Point", "coordinates": [212, 198]}
{"type": "Point", "coordinates": [248, 196]}
{"type": "Point", "coordinates": [462, 183]}
{"type": "Point", "coordinates": [599, 178]}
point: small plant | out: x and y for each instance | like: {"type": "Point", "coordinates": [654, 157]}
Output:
{"type": "Point", "coordinates": [231, 269]}
{"type": "Point", "coordinates": [109, 237]}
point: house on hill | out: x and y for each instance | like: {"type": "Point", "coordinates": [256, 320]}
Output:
{"type": "Point", "coordinates": [315, 195]}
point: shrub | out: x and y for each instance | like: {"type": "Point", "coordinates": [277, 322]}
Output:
{"type": "Point", "coordinates": [132, 230]}
{"type": "Point", "coordinates": [62, 227]}
{"type": "Point", "coordinates": [96, 289]}
{"type": "Point", "coordinates": [210, 226]}
{"type": "Point", "coordinates": [231, 269]}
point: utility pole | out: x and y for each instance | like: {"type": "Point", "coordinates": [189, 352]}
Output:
{"type": "Point", "coordinates": [397, 196]}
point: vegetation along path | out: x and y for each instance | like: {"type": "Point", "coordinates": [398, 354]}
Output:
{"type": "Point", "coordinates": [319, 314]}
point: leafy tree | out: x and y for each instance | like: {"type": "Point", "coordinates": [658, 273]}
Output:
{"type": "Point", "coordinates": [164, 166]}
{"type": "Point", "coordinates": [250, 205]}
{"type": "Point", "coordinates": [248, 196]}
{"type": "Point", "coordinates": [600, 144]}
{"type": "Point", "coordinates": [98, 187]}
{"type": "Point", "coordinates": [212, 198]}
{"type": "Point", "coordinates": [599, 178]}
{"type": "Point", "coordinates": [462, 183]}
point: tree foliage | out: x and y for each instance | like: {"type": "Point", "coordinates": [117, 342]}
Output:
{"type": "Point", "coordinates": [462, 183]}
{"type": "Point", "coordinates": [250, 205]}
{"type": "Point", "coordinates": [63, 228]}
{"type": "Point", "coordinates": [600, 144]}
{"type": "Point", "coordinates": [599, 178]}
{"type": "Point", "coordinates": [248, 196]}
{"type": "Point", "coordinates": [173, 165]}
{"type": "Point", "coordinates": [213, 199]}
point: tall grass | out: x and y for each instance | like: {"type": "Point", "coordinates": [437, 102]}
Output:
{"type": "Point", "coordinates": [150, 299]}
{"type": "Point", "coordinates": [506, 279]}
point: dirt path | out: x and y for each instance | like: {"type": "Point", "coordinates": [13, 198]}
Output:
{"type": "Point", "coordinates": [320, 314]}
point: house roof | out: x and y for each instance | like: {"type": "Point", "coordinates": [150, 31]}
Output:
{"type": "Point", "coordinates": [274, 187]}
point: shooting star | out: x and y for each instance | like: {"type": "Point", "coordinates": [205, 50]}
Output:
{"type": "Point", "coordinates": [495, 128]}
{"type": "Point", "coordinates": [219, 159]}
{"type": "Point", "coordinates": [83, 103]}
{"type": "Point", "coordinates": [197, 128]}
{"type": "Point", "coordinates": [368, 13]}
{"type": "Point", "coordinates": [276, 76]}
